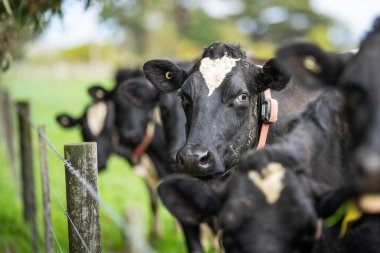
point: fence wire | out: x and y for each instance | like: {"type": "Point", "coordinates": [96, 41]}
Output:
{"type": "Point", "coordinates": [118, 220]}
{"type": "Point", "coordinates": [68, 217]}
{"type": "Point", "coordinates": [55, 237]}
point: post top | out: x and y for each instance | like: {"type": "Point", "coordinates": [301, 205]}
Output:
{"type": "Point", "coordinates": [89, 144]}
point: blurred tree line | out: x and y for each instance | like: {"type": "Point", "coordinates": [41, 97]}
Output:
{"type": "Point", "coordinates": [173, 28]}
{"type": "Point", "coordinates": [180, 25]}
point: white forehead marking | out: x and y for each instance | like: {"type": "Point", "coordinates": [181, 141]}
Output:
{"type": "Point", "coordinates": [214, 71]}
{"type": "Point", "coordinates": [96, 117]}
{"type": "Point", "coordinates": [269, 181]}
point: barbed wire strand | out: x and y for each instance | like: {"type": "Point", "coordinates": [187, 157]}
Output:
{"type": "Point", "coordinates": [107, 208]}
{"type": "Point", "coordinates": [72, 223]}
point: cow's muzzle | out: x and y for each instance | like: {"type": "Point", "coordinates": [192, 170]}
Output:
{"type": "Point", "coordinates": [199, 161]}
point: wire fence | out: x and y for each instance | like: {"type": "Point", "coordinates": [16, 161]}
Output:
{"type": "Point", "coordinates": [141, 246]}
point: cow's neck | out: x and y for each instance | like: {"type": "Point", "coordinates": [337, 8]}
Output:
{"type": "Point", "coordinates": [157, 151]}
{"type": "Point", "coordinates": [291, 100]}
{"type": "Point", "coordinates": [173, 121]}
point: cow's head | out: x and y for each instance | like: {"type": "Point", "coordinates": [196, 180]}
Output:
{"type": "Point", "coordinates": [97, 125]}
{"type": "Point", "coordinates": [265, 210]}
{"type": "Point", "coordinates": [220, 99]}
{"type": "Point", "coordinates": [135, 100]}
{"type": "Point", "coordinates": [357, 77]}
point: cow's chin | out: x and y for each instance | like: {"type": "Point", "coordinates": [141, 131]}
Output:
{"type": "Point", "coordinates": [209, 179]}
{"type": "Point", "coordinates": [216, 178]}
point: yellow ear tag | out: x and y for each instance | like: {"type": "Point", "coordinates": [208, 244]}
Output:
{"type": "Point", "coordinates": [352, 214]}
{"type": "Point", "coordinates": [169, 75]}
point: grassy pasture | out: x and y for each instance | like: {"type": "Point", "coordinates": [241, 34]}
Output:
{"type": "Point", "coordinates": [50, 92]}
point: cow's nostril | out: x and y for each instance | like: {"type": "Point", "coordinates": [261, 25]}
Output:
{"type": "Point", "coordinates": [203, 159]}
{"type": "Point", "coordinates": [180, 159]}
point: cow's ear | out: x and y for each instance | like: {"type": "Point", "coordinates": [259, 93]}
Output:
{"type": "Point", "coordinates": [67, 121]}
{"type": "Point", "coordinates": [98, 93]}
{"type": "Point", "coordinates": [187, 199]}
{"type": "Point", "coordinates": [165, 75]}
{"type": "Point", "coordinates": [310, 65]}
{"type": "Point", "coordinates": [272, 76]}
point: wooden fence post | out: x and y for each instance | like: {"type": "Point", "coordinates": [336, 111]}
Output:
{"type": "Point", "coordinates": [7, 115]}
{"type": "Point", "coordinates": [82, 208]}
{"type": "Point", "coordinates": [28, 185]}
{"type": "Point", "coordinates": [45, 191]}
{"type": "Point", "coordinates": [2, 118]}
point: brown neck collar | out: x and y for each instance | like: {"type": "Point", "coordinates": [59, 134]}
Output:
{"type": "Point", "coordinates": [146, 141]}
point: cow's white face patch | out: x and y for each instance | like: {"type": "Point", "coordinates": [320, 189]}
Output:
{"type": "Point", "coordinates": [96, 117]}
{"type": "Point", "coordinates": [269, 181]}
{"type": "Point", "coordinates": [214, 71]}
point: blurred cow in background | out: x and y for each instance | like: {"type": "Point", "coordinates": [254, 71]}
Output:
{"type": "Point", "coordinates": [136, 122]}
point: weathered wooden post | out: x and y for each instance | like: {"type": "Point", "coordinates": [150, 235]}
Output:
{"type": "Point", "coordinates": [7, 114]}
{"type": "Point", "coordinates": [2, 119]}
{"type": "Point", "coordinates": [28, 185]}
{"type": "Point", "coordinates": [82, 208]}
{"type": "Point", "coordinates": [45, 190]}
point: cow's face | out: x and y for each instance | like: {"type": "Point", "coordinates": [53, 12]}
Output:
{"type": "Point", "coordinates": [257, 211]}
{"type": "Point", "coordinates": [360, 83]}
{"type": "Point", "coordinates": [358, 79]}
{"type": "Point", "coordinates": [267, 210]}
{"type": "Point", "coordinates": [134, 101]}
{"type": "Point", "coordinates": [219, 97]}
{"type": "Point", "coordinates": [97, 125]}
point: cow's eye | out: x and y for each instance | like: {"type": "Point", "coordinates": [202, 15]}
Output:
{"type": "Point", "coordinates": [243, 97]}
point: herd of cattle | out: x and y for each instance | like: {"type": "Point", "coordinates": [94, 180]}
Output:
{"type": "Point", "coordinates": [314, 186]}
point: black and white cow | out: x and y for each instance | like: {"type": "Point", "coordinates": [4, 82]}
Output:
{"type": "Point", "coordinates": [221, 99]}
{"type": "Point", "coordinates": [122, 124]}
{"type": "Point", "coordinates": [130, 129]}
{"type": "Point", "coordinates": [97, 125]}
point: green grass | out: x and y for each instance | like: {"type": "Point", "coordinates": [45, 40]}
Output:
{"type": "Point", "coordinates": [118, 185]}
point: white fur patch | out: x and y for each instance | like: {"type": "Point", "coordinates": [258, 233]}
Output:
{"type": "Point", "coordinates": [269, 181]}
{"type": "Point", "coordinates": [146, 169]}
{"type": "Point", "coordinates": [96, 117]}
{"type": "Point", "coordinates": [214, 71]}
